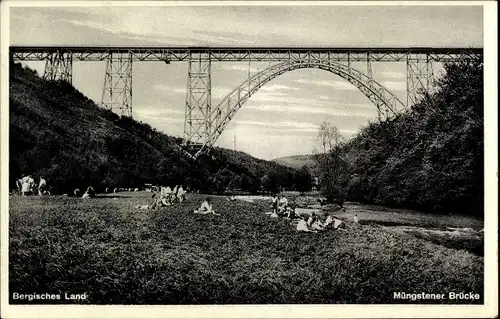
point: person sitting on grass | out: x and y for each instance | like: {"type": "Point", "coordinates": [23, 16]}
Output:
{"type": "Point", "coordinates": [311, 219]}
{"type": "Point", "coordinates": [26, 185]}
{"type": "Point", "coordinates": [205, 208]}
{"type": "Point", "coordinates": [181, 194]}
{"type": "Point", "coordinates": [42, 186]}
{"type": "Point", "coordinates": [151, 206]}
{"type": "Point", "coordinates": [314, 223]}
{"type": "Point", "coordinates": [303, 227]}
{"type": "Point", "coordinates": [294, 215]}
{"type": "Point", "coordinates": [19, 185]}
{"type": "Point", "coordinates": [282, 205]}
{"type": "Point", "coordinates": [32, 184]}
{"type": "Point", "coordinates": [163, 201]}
{"type": "Point", "coordinates": [275, 203]}
{"type": "Point", "coordinates": [89, 193]}
{"type": "Point", "coordinates": [168, 194]}
{"type": "Point", "coordinates": [290, 213]}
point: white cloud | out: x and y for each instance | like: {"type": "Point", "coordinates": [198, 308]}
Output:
{"type": "Point", "coordinates": [240, 67]}
{"type": "Point", "coordinates": [348, 132]}
{"type": "Point", "coordinates": [168, 88]}
{"type": "Point", "coordinates": [160, 113]}
{"type": "Point", "coordinates": [122, 32]}
{"type": "Point", "coordinates": [344, 85]}
{"type": "Point", "coordinates": [220, 91]}
{"type": "Point", "coordinates": [153, 29]}
{"type": "Point", "coordinates": [324, 98]}
{"type": "Point", "coordinates": [304, 109]}
{"type": "Point", "coordinates": [218, 38]}
{"type": "Point", "coordinates": [338, 85]}
{"type": "Point", "coordinates": [272, 97]}
{"type": "Point", "coordinates": [394, 85]}
{"type": "Point", "coordinates": [393, 75]}
{"type": "Point", "coordinates": [282, 126]}
{"type": "Point", "coordinates": [277, 87]}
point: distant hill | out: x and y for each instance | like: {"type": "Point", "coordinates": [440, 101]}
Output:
{"type": "Point", "coordinates": [58, 133]}
{"type": "Point", "coordinates": [296, 161]}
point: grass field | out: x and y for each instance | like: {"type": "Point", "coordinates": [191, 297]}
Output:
{"type": "Point", "coordinates": [120, 255]}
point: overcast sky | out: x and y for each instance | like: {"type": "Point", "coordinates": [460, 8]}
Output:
{"type": "Point", "coordinates": [283, 117]}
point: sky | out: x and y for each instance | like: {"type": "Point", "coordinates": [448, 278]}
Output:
{"type": "Point", "coordinates": [284, 116]}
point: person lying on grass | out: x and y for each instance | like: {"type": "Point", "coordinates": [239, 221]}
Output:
{"type": "Point", "coordinates": [205, 208]}
{"type": "Point", "coordinates": [314, 223]}
{"type": "Point", "coordinates": [151, 206]}
{"type": "Point", "coordinates": [335, 223]}
{"type": "Point", "coordinates": [163, 201]}
{"type": "Point", "coordinates": [273, 214]}
{"type": "Point", "coordinates": [303, 227]}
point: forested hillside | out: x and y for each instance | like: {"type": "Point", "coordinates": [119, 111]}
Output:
{"type": "Point", "coordinates": [58, 133]}
{"type": "Point", "coordinates": [429, 158]}
{"type": "Point", "coordinates": [297, 161]}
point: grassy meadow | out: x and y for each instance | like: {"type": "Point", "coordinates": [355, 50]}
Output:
{"type": "Point", "coordinates": [121, 255]}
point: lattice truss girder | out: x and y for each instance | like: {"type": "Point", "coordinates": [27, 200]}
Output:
{"type": "Point", "coordinates": [419, 78]}
{"type": "Point", "coordinates": [117, 90]}
{"type": "Point", "coordinates": [58, 66]}
{"type": "Point", "coordinates": [198, 122]}
{"type": "Point", "coordinates": [243, 54]}
{"type": "Point", "coordinates": [387, 103]}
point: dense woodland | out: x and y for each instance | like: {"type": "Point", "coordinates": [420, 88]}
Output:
{"type": "Point", "coordinates": [58, 133]}
{"type": "Point", "coordinates": [429, 158]}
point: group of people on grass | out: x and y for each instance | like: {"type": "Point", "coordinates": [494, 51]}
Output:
{"type": "Point", "coordinates": [170, 196]}
{"type": "Point", "coordinates": [306, 222]}
{"type": "Point", "coordinates": [26, 186]}
{"type": "Point", "coordinates": [281, 207]}
{"type": "Point", "coordinates": [167, 197]}
{"type": "Point", "coordinates": [314, 224]}
{"type": "Point", "coordinates": [89, 193]}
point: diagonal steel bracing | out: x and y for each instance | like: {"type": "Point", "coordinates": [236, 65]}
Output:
{"type": "Point", "coordinates": [198, 122]}
{"type": "Point", "coordinates": [117, 90]}
{"type": "Point", "coordinates": [419, 78]}
{"type": "Point", "coordinates": [58, 66]}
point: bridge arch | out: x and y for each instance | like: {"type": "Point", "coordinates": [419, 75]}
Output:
{"type": "Point", "coordinates": [386, 102]}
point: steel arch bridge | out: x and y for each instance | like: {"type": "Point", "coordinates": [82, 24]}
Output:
{"type": "Point", "coordinates": [203, 123]}
{"type": "Point", "coordinates": [385, 101]}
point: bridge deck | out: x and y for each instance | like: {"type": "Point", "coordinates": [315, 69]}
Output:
{"type": "Point", "coordinates": [149, 53]}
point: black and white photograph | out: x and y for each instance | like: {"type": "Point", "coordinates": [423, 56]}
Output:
{"type": "Point", "coordinates": [236, 154]}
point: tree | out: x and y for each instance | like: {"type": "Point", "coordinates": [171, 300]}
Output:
{"type": "Point", "coordinates": [430, 157]}
{"type": "Point", "coordinates": [303, 179]}
{"type": "Point", "coordinates": [331, 166]}
{"type": "Point", "coordinates": [329, 137]}
{"type": "Point", "coordinates": [269, 183]}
